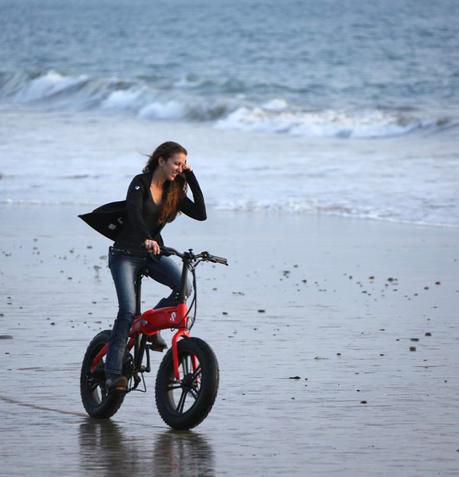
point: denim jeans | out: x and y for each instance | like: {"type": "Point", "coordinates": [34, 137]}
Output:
{"type": "Point", "coordinates": [125, 269]}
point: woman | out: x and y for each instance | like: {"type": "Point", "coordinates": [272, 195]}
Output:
{"type": "Point", "coordinates": [153, 199]}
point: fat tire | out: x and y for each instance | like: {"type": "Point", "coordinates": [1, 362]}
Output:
{"type": "Point", "coordinates": [97, 402]}
{"type": "Point", "coordinates": [209, 379]}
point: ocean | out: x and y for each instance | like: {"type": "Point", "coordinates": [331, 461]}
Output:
{"type": "Point", "coordinates": [348, 108]}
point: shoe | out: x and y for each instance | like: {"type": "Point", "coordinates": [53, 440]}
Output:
{"type": "Point", "coordinates": [157, 342]}
{"type": "Point", "coordinates": [117, 384]}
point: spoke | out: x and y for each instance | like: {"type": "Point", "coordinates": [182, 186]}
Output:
{"type": "Point", "coordinates": [196, 373]}
{"type": "Point", "coordinates": [181, 403]}
{"type": "Point", "coordinates": [171, 387]}
{"type": "Point", "coordinates": [93, 386]}
{"type": "Point", "coordinates": [93, 383]}
{"type": "Point", "coordinates": [194, 393]}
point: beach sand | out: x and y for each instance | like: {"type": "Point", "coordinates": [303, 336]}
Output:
{"type": "Point", "coordinates": [336, 339]}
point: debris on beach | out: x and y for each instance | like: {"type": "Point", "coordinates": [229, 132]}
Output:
{"type": "Point", "coordinates": [294, 377]}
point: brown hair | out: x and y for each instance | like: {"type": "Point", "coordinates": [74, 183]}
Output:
{"type": "Point", "coordinates": [173, 190]}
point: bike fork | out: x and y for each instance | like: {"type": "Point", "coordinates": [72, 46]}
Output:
{"type": "Point", "coordinates": [175, 359]}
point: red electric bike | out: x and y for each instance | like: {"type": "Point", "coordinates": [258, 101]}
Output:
{"type": "Point", "coordinates": [187, 379]}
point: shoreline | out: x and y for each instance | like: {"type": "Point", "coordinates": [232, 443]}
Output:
{"type": "Point", "coordinates": [409, 179]}
{"type": "Point", "coordinates": [263, 212]}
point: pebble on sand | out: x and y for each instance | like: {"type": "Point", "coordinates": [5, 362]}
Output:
{"type": "Point", "coordinates": [294, 377]}
{"type": "Point", "coordinates": [6, 337]}
{"type": "Point", "coordinates": [261, 311]}
{"type": "Point", "coordinates": [412, 348]}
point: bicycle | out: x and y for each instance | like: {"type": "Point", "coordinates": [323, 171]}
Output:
{"type": "Point", "coordinates": [188, 376]}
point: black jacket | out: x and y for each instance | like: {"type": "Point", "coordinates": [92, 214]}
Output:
{"type": "Point", "coordinates": [124, 221]}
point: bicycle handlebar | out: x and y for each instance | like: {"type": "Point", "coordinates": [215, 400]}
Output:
{"type": "Point", "coordinates": [204, 256]}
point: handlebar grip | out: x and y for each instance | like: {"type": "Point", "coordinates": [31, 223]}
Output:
{"type": "Point", "coordinates": [215, 259]}
{"type": "Point", "coordinates": [168, 251]}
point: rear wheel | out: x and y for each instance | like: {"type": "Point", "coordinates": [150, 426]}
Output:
{"type": "Point", "coordinates": [96, 400]}
{"type": "Point", "coordinates": [186, 402]}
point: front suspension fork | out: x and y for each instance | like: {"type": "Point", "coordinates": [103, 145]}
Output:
{"type": "Point", "coordinates": [175, 358]}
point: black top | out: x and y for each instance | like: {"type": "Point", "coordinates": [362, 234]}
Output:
{"type": "Point", "coordinates": [141, 220]}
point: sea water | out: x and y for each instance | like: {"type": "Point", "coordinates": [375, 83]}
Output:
{"type": "Point", "coordinates": [346, 108]}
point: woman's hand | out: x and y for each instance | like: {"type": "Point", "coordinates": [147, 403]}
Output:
{"type": "Point", "coordinates": [152, 246]}
{"type": "Point", "coordinates": [187, 167]}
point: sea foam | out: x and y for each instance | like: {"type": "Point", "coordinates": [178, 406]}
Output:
{"type": "Point", "coordinates": [147, 100]}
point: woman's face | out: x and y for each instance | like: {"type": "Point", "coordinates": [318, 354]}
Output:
{"type": "Point", "coordinates": [173, 166]}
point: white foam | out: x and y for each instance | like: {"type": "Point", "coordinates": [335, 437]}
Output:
{"type": "Point", "coordinates": [123, 100]}
{"type": "Point", "coordinates": [163, 110]}
{"type": "Point", "coordinates": [277, 117]}
{"type": "Point", "coordinates": [48, 85]}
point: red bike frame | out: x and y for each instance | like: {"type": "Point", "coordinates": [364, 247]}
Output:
{"type": "Point", "coordinates": [149, 323]}
{"type": "Point", "coordinates": [152, 321]}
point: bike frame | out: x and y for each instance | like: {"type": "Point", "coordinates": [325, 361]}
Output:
{"type": "Point", "coordinates": [152, 321]}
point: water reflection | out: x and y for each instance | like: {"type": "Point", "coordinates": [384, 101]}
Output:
{"type": "Point", "coordinates": [106, 449]}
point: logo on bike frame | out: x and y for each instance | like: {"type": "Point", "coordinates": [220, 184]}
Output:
{"type": "Point", "coordinates": [173, 316]}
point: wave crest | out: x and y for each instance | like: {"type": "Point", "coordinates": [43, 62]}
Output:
{"type": "Point", "coordinates": [146, 99]}
{"type": "Point", "coordinates": [277, 117]}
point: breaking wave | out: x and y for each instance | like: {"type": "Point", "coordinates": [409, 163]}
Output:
{"type": "Point", "coordinates": [203, 102]}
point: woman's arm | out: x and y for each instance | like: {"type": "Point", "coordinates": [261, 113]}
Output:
{"type": "Point", "coordinates": [197, 209]}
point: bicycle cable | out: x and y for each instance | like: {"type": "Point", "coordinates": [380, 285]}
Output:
{"type": "Point", "coordinates": [194, 302]}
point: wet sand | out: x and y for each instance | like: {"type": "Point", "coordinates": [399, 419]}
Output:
{"type": "Point", "coordinates": [336, 339]}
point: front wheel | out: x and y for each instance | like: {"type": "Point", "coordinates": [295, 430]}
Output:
{"type": "Point", "coordinates": [186, 402]}
{"type": "Point", "coordinates": [96, 400]}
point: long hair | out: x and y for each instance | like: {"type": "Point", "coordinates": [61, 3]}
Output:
{"type": "Point", "coordinates": [173, 190]}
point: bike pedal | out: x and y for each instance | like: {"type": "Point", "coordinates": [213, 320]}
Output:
{"type": "Point", "coordinates": [154, 347]}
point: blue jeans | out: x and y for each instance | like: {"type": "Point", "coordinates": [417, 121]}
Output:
{"type": "Point", "coordinates": [125, 269]}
